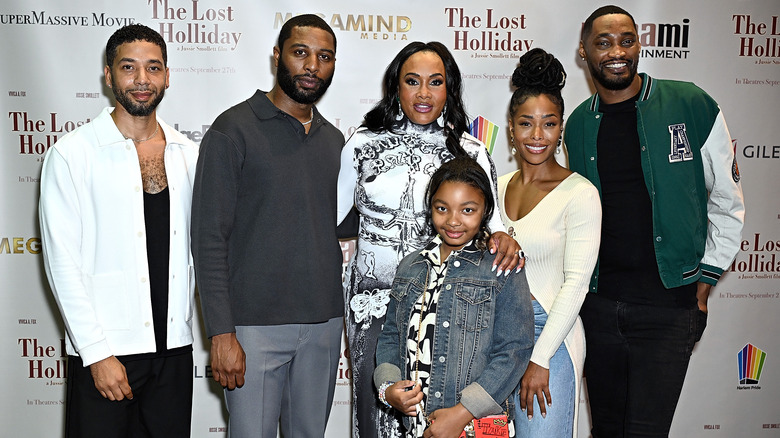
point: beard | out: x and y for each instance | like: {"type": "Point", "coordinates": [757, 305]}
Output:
{"type": "Point", "coordinates": [134, 108]}
{"type": "Point", "coordinates": [304, 96]}
{"type": "Point", "coordinates": [614, 83]}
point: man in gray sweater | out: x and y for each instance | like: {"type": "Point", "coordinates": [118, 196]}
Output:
{"type": "Point", "coordinates": [267, 259]}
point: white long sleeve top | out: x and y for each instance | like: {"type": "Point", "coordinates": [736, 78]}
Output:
{"type": "Point", "coordinates": [94, 240]}
{"type": "Point", "coordinates": [560, 238]}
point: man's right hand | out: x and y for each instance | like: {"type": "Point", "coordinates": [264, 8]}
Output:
{"type": "Point", "coordinates": [228, 360]}
{"type": "Point", "coordinates": [110, 379]}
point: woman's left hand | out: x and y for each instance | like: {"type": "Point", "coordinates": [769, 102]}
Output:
{"type": "Point", "coordinates": [507, 252]}
{"type": "Point", "coordinates": [535, 382]}
{"type": "Point", "coordinates": [448, 422]}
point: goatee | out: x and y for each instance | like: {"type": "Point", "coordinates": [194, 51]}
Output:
{"type": "Point", "coordinates": [616, 83]}
{"type": "Point", "coordinates": [287, 82]}
{"type": "Point", "coordinates": [134, 108]}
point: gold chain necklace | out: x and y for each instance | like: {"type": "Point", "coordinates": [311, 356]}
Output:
{"type": "Point", "coordinates": [156, 129]}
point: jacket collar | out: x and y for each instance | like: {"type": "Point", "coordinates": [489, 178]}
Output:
{"type": "Point", "coordinates": [105, 129]}
{"type": "Point", "coordinates": [107, 132]}
{"type": "Point", "coordinates": [648, 86]}
{"type": "Point", "coordinates": [469, 253]}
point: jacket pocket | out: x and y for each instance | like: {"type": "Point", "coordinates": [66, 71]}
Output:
{"type": "Point", "coordinates": [111, 300]}
{"type": "Point", "coordinates": [400, 288]}
{"type": "Point", "coordinates": [473, 311]}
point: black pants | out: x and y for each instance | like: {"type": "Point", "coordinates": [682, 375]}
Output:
{"type": "Point", "coordinates": [161, 404]}
{"type": "Point", "coordinates": [637, 357]}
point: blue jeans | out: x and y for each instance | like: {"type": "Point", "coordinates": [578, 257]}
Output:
{"type": "Point", "coordinates": [637, 357]}
{"type": "Point", "coordinates": [560, 416]}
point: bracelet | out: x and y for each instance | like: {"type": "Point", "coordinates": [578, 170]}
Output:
{"type": "Point", "coordinates": [382, 388]}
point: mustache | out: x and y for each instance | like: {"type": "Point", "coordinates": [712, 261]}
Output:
{"type": "Point", "coordinates": [309, 76]}
{"type": "Point", "coordinates": [626, 60]}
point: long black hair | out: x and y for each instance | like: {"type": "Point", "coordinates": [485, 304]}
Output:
{"type": "Point", "coordinates": [539, 73]}
{"type": "Point", "coordinates": [463, 170]}
{"type": "Point", "coordinates": [382, 117]}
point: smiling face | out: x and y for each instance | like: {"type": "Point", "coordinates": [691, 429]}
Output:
{"type": "Point", "coordinates": [422, 88]}
{"type": "Point", "coordinates": [612, 52]}
{"type": "Point", "coordinates": [457, 210]}
{"type": "Point", "coordinates": [536, 128]}
{"type": "Point", "coordinates": [138, 77]}
{"type": "Point", "coordinates": [305, 64]}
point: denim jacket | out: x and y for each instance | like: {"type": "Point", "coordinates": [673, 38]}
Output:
{"type": "Point", "coordinates": [483, 338]}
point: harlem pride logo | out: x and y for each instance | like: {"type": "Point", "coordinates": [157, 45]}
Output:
{"type": "Point", "coordinates": [485, 131]}
{"type": "Point", "coordinates": [751, 362]}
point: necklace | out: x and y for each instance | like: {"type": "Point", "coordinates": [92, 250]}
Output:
{"type": "Point", "coordinates": [147, 138]}
{"type": "Point", "coordinates": [310, 118]}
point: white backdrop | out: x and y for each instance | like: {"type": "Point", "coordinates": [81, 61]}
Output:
{"type": "Point", "coordinates": [220, 51]}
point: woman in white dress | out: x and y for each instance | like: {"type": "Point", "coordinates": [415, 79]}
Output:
{"type": "Point", "coordinates": [386, 165]}
{"type": "Point", "coordinates": [556, 214]}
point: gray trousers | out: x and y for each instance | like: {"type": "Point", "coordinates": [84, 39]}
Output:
{"type": "Point", "coordinates": [289, 382]}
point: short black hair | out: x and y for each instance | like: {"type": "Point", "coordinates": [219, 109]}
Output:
{"type": "Point", "coordinates": [134, 32]}
{"type": "Point", "coordinates": [305, 20]}
{"type": "Point", "coordinates": [604, 10]}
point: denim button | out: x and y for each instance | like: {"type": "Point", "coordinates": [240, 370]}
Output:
{"type": "Point", "coordinates": [437, 394]}
{"type": "Point", "coordinates": [442, 359]}
{"type": "Point", "coordinates": [457, 263]}
{"type": "Point", "coordinates": [449, 286]}
{"type": "Point", "coordinates": [658, 239]}
{"type": "Point", "coordinates": [445, 324]}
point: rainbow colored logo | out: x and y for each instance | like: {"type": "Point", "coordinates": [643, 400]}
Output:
{"type": "Point", "coordinates": [750, 361]}
{"type": "Point", "coordinates": [485, 131]}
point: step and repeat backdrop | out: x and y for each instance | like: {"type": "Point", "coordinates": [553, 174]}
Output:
{"type": "Point", "coordinates": [220, 52]}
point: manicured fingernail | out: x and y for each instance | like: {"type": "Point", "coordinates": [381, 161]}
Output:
{"type": "Point", "coordinates": [544, 415]}
{"type": "Point", "coordinates": [530, 417]}
{"type": "Point", "coordinates": [492, 251]}
{"type": "Point", "coordinates": [494, 268]}
{"type": "Point", "coordinates": [498, 274]}
{"type": "Point", "coordinates": [519, 268]}
{"type": "Point", "coordinates": [507, 272]}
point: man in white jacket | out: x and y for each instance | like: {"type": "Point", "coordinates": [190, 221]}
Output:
{"type": "Point", "coordinates": [115, 217]}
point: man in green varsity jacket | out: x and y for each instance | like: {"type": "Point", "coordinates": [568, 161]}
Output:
{"type": "Point", "coordinates": [661, 156]}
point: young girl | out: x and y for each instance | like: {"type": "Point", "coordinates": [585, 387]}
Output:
{"type": "Point", "coordinates": [556, 216]}
{"type": "Point", "coordinates": [457, 337]}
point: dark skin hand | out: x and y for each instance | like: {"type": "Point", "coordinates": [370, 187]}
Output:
{"type": "Point", "coordinates": [535, 382]}
{"type": "Point", "coordinates": [507, 252]}
{"type": "Point", "coordinates": [448, 422]}
{"type": "Point", "coordinates": [403, 400]}
{"type": "Point", "coordinates": [228, 360]}
{"type": "Point", "coordinates": [702, 295]}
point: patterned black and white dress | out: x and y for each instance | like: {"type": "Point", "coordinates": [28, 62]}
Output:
{"type": "Point", "coordinates": [385, 176]}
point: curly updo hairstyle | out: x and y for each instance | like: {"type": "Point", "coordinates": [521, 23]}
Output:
{"type": "Point", "coordinates": [539, 73]}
